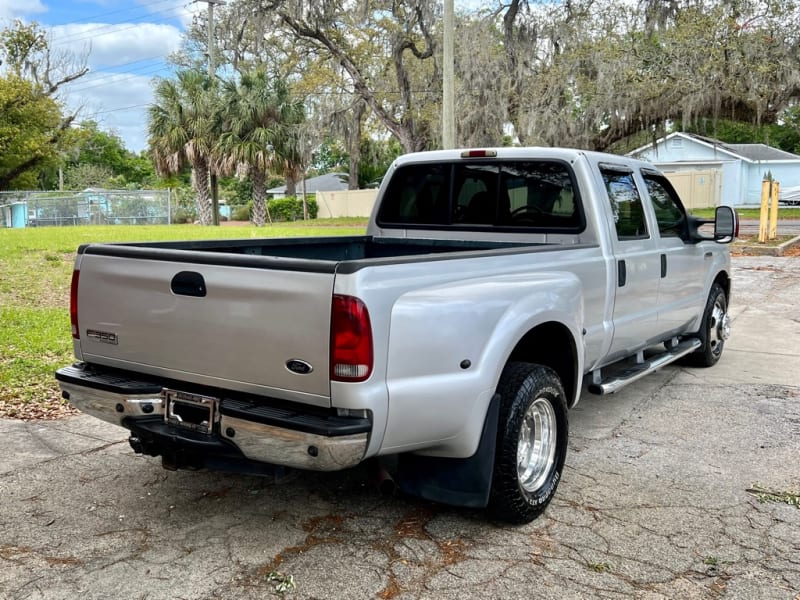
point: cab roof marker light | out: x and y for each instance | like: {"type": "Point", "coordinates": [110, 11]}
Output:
{"type": "Point", "coordinates": [479, 154]}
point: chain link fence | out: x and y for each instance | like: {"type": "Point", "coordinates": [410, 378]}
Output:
{"type": "Point", "coordinates": [89, 207]}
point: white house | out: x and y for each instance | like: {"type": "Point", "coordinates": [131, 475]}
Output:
{"type": "Point", "coordinates": [708, 172]}
{"type": "Point", "coordinates": [330, 182]}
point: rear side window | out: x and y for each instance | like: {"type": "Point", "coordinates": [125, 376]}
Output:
{"type": "Point", "coordinates": [537, 195]}
{"type": "Point", "coordinates": [626, 204]}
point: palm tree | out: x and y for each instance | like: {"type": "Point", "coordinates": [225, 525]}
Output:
{"type": "Point", "coordinates": [184, 122]}
{"type": "Point", "coordinates": [260, 128]}
{"type": "Point", "coordinates": [290, 159]}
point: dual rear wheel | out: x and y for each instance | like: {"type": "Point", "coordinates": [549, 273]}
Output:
{"type": "Point", "coordinates": [532, 438]}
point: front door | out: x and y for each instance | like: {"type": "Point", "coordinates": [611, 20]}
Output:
{"type": "Point", "coordinates": [681, 290]}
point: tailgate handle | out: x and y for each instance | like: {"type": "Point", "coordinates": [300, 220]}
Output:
{"type": "Point", "coordinates": [188, 283]}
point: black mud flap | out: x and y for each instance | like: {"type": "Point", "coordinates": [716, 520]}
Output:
{"type": "Point", "coordinates": [455, 481]}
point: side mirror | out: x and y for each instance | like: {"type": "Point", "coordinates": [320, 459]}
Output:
{"type": "Point", "coordinates": [726, 225]}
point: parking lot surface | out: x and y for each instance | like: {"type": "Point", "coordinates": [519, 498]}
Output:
{"type": "Point", "coordinates": [683, 485]}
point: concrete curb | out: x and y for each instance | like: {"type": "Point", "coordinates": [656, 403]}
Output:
{"type": "Point", "coordinates": [757, 250]}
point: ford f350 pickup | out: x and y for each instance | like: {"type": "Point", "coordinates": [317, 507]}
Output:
{"type": "Point", "coordinates": [492, 287]}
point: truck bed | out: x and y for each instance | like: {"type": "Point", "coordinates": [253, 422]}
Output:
{"type": "Point", "coordinates": [229, 314]}
{"type": "Point", "coordinates": [313, 254]}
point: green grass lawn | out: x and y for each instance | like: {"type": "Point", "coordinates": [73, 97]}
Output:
{"type": "Point", "coordinates": [35, 271]}
{"type": "Point", "coordinates": [749, 213]}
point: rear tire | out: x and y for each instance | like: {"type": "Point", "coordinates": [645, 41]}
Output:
{"type": "Point", "coordinates": [714, 329]}
{"type": "Point", "coordinates": [532, 437]}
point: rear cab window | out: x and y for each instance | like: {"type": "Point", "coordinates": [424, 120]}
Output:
{"type": "Point", "coordinates": [538, 195]}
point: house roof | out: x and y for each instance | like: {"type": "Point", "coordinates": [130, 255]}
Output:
{"type": "Point", "coordinates": [330, 182]}
{"type": "Point", "coordinates": [761, 152]}
{"type": "Point", "coordinates": [749, 152]}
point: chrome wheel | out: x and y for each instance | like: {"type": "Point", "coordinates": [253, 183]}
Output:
{"type": "Point", "coordinates": [536, 448]}
{"type": "Point", "coordinates": [719, 325]}
{"type": "Point", "coordinates": [532, 435]}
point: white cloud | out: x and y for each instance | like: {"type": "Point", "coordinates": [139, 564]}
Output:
{"type": "Point", "coordinates": [120, 104]}
{"type": "Point", "coordinates": [123, 60]}
{"type": "Point", "coordinates": [119, 43]}
{"type": "Point", "coordinates": [14, 9]}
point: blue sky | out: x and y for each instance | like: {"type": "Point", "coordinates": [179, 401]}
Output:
{"type": "Point", "coordinates": [127, 42]}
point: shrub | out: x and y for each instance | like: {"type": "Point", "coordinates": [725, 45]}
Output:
{"type": "Point", "coordinates": [291, 208]}
{"type": "Point", "coordinates": [183, 215]}
{"type": "Point", "coordinates": [241, 213]}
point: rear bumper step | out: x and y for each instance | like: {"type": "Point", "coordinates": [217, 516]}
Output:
{"type": "Point", "coordinates": [282, 434]}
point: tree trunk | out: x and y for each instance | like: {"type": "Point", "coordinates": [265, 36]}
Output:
{"type": "Point", "coordinates": [354, 143]}
{"type": "Point", "coordinates": [200, 179]}
{"type": "Point", "coordinates": [260, 212]}
{"type": "Point", "coordinates": [214, 185]}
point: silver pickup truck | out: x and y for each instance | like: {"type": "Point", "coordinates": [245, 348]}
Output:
{"type": "Point", "coordinates": [491, 288]}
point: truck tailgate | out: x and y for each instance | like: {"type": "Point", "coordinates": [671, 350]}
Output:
{"type": "Point", "coordinates": [228, 326]}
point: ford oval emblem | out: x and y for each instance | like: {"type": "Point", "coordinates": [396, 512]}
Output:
{"type": "Point", "coordinates": [298, 366]}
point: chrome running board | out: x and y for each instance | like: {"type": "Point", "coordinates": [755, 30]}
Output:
{"type": "Point", "coordinates": [619, 378]}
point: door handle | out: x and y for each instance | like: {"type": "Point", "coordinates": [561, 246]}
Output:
{"type": "Point", "coordinates": [663, 266]}
{"type": "Point", "coordinates": [188, 283]}
{"type": "Point", "coordinates": [622, 274]}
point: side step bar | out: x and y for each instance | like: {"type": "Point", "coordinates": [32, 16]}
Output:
{"type": "Point", "coordinates": [619, 379]}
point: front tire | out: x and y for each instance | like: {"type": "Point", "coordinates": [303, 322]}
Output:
{"type": "Point", "coordinates": [714, 329]}
{"type": "Point", "coordinates": [531, 442]}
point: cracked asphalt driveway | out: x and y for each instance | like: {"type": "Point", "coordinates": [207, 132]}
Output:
{"type": "Point", "coordinates": [680, 486]}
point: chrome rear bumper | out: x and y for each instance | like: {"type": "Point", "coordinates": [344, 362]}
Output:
{"type": "Point", "coordinates": [258, 432]}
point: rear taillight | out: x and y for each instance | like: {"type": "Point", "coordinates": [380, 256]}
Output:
{"type": "Point", "coordinates": [351, 340]}
{"type": "Point", "coordinates": [73, 304]}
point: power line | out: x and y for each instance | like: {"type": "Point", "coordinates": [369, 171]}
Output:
{"type": "Point", "coordinates": [120, 109]}
{"type": "Point", "coordinates": [117, 27]}
{"type": "Point", "coordinates": [116, 70]}
{"type": "Point", "coordinates": [115, 78]}
{"type": "Point", "coordinates": [114, 12]}
{"type": "Point", "coordinates": [108, 68]}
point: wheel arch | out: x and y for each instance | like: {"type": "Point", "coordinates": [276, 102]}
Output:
{"type": "Point", "coordinates": [724, 281]}
{"type": "Point", "coordinates": [552, 345]}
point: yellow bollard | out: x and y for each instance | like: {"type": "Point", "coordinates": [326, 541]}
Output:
{"type": "Point", "coordinates": [762, 222]}
{"type": "Point", "coordinates": [773, 210]}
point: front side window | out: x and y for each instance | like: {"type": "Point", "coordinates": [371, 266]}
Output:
{"type": "Point", "coordinates": [626, 204]}
{"type": "Point", "coordinates": [670, 215]}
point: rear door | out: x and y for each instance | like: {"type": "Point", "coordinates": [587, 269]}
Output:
{"type": "Point", "coordinates": [232, 326]}
{"type": "Point", "coordinates": [635, 314]}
